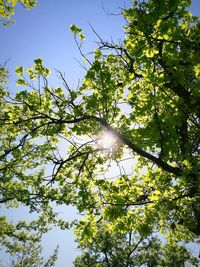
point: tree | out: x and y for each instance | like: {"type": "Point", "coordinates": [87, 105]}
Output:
{"type": "Point", "coordinates": [7, 9]}
{"type": "Point", "coordinates": [29, 253]}
{"type": "Point", "coordinates": [22, 243]}
{"type": "Point", "coordinates": [131, 249]}
{"type": "Point", "coordinates": [144, 94]}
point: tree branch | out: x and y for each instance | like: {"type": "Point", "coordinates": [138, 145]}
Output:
{"type": "Point", "coordinates": [159, 162]}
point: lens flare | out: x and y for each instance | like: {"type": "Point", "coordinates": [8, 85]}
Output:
{"type": "Point", "coordinates": [108, 140]}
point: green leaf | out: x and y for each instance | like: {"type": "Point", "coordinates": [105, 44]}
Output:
{"type": "Point", "coordinates": [77, 31]}
{"type": "Point", "coordinates": [19, 70]}
{"type": "Point", "coordinates": [20, 82]}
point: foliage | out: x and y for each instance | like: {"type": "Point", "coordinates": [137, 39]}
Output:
{"type": "Point", "coordinates": [25, 250]}
{"type": "Point", "coordinates": [144, 92]}
{"type": "Point", "coordinates": [22, 242]}
{"type": "Point", "coordinates": [7, 9]}
{"type": "Point", "coordinates": [77, 31]}
{"type": "Point", "coordinates": [120, 250]}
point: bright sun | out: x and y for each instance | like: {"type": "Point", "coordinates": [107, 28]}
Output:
{"type": "Point", "coordinates": [107, 140]}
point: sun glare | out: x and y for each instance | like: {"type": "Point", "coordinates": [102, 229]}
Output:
{"type": "Point", "coordinates": [108, 140]}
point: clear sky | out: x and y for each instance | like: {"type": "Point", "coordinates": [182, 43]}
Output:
{"type": "Point", "coordinates": [43, 32]}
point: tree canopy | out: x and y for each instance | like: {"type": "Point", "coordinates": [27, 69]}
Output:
{"type": "Point", "coordinates": [139, 103]}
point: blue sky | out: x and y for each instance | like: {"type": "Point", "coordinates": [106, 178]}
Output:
{"type": "Point", "coordinates": [44, 32]}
